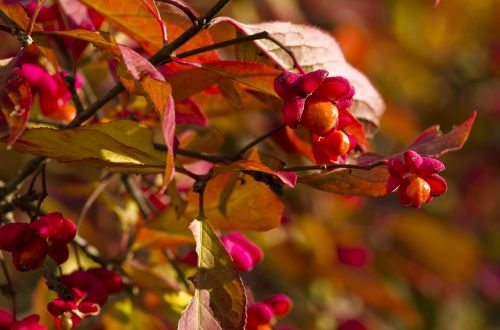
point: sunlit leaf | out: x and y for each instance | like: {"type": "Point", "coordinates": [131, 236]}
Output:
{"type": "Point", "coordinates": [99, 39]}
{"type": "Point", "coordinates": [139, 19]}
{"type": "Point", "coordinates": [121, 146]}
{"type": "Point", "coordinates": [165, 231]}
{"type": "Point", "coordinates": [125, 315]}
{"type": "Point", "coordinates": [219, 300]}
{"type": "Point", "coordinates": [252, 205]}
{"type": "Point", "coordinates": [149, 277]}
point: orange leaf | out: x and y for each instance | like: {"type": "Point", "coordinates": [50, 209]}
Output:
{"type": "Point", "coordinates": [251, 206]}
{"type": "Point", "coordinates": [139, 19]}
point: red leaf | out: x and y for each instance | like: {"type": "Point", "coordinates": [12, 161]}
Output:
{"type": "Point", "coordinates": [15, 104]}
{"type": "Point", "coordinates": [139, 76]}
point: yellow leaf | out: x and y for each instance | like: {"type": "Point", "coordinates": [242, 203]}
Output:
{"type": "Point", "coordinates": [251, 206]}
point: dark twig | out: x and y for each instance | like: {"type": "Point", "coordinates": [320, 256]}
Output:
{"type": "Point", "coordinates": [194, 154]}
{"type": "Point", "coordinates": [326, 167]}
{"type": "Point", "coordinates": [77, 255]}
{"type": "Point", "coordinates": [6, 29]}
{"type": "Point", "coordinates": [21, 175]}
{"type": "Point", "coordinates": [70, 83]}
{"type": "Point", "coordinates": [252, 37]}
{"type": "Point", "coordinates": [55, 284]}
{"type": "Point", "coordinates": [10, 286]}
{"type": "Point", "coordinates": [137, 195]}
{"type": "Point", "coordinates": [90, 251]}
{"type": "Point", "coordinates": [187, 172]}
{"type": "Point", "coordinates": [180, 274]}
{"type": "Point", "coordinates": [103, 182]}
{"type": "Point", "coordinates": [203, 23]}
{"type": "Point", "coordinates": [45, 121]}
{"type": "Point", "coordinates": [261, 138]}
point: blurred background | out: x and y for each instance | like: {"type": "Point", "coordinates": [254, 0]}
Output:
{"type": "Point", "coordinates": [371, 260]}
{"type": "Point", "coordinates": [396, 268]}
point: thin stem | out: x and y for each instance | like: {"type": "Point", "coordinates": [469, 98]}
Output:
{"type": "Point", "coordinates": [230, 42]}
{"type": "Point", "coordinates": [77, 256]}
{"type": "Point", "coordinates": [45, 121]}
{"type": "Point", "coordinates": [8, 279]}
{"type": "Point", "coordinates": [287, 50]}
{"type": "Point", "coordinates": [32, 21]}
{"type": "Point", "coordinates": [94, 107]}
{"type": "Point", "coordinates": [137, 195]}
{"type": "Point", "coordinates": [104, 181]}
{"type": "Point", "coordinates": [54, 283]}
{"type": "Point", "coordinates": [185, 9]}
{"type": "Point", "coordinates": [88, 251]}
{"type": "Point", "coordinates": [44, 192]}
{"type": "Point", "coordinates": [258, 140]}
{"type": "Point", "coordinates": [203, 22]}
{"type": "Point", "coordinates": [251, 37]}
{"type": "Point", "coordinates": [21, 175]}
{"type": "Point", "coordinates": [194, 154]}
{"type": "Point", "coordinates": [201, 207]}
{"type": "Point", "coordinates": [6, 29]}
{"type": "Point", "coordinates": [70, 83]}
{"type": "Point", "coordinates": [187, 172]}
{"type": "Point", "coordinates": [180, 274]}
{"type": "Point", "coordinates": [325, 167]}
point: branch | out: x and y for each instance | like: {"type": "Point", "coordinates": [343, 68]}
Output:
{"type": "Point", "coordinates": [137, 195]}
{"type": "Point", "coordinates": [203, 22]}
{"type": "Point", "coordinates": [10, 286]}
{"type": "Point", "coordinates": [180, 274]}
{"type": "Point", "coordinates": [326, 167]}
{"type": "Point", "coordinates": [88, 250]}
{"type": "Point", "coordinates": [261, 138]}
{"type": "Point", "coordinates": [70, 83]}
{"type": "Point", "coordinates": [81, 117]}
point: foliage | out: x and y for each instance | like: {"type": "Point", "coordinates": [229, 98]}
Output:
{"type": "Point", "coordinates": [193, 171]}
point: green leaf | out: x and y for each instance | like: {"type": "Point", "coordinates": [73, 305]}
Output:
{"type": "Point", "coordinates": [121, 146]}
{"type": "Point", "coordinates": [219, 300]}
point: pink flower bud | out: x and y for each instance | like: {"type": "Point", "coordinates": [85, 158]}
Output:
{"type": "Point", "coordinates": [280, 303]}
